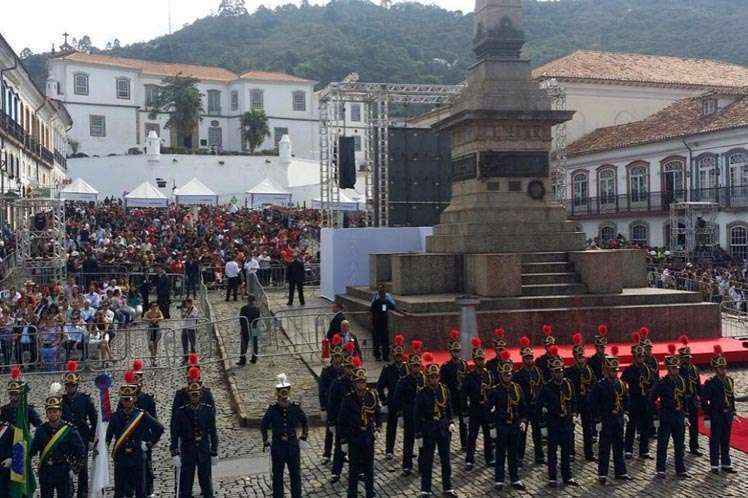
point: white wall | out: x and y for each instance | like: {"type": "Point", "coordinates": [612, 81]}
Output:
{"type": "Point", "coordinates": [120, 129]}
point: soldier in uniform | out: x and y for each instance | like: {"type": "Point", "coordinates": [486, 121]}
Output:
{"type": "Point", "coordinates": [283, 418]}
{"type": "Point", "coordinates": [388, 378]}
{"type": "Point", "coordinates": [477, 387]}
{"type": "Point", "coordinates": [670, 395]}
{"type": "Point", "coordinates": [499, 345]}
{"type": "Point", "coordinates": [182, 396]}
{"type": "Point", "coordinates": [146, 402]}
{"type": "Point", "coordinates": [134, 432]}
{"type": "Point", "coordinates": [582, 379]}
{"type": "Point", "coordinates": [79, 410]}
{"type": "Point", "coordinates": [404, 398]}
{"type": "Point", "coordinates": [690, 375]}
{"type": "Point", "coordinates": [338, 390]}
{"type": "Point", "coordinates": [433, 420]}
{"type": "Point", "coordinates": [597, 360]}
{"type": "Point", "coordinates": [609, 399]}
{"type": "Point", "coordinates": [9, 411]}
{"type": "Point", "coordinates": [194, 440]}
{"type": "Point", "coordinates": [530, 379]}
{"type": "Point", "coordinates": [718, 404]}
{"type": "Point", "coordinates": [453, 375]}
{"type": "Point", "coordinates": [654, 367]}
{"type": "Point", "coordinates": [509, 408]}
{"type": "Point", "coordinates": [6, 444]}
{"type": "Point", "coordinates": [640, 380]}
{"type": "Point", "coordinates": [557, 402]}
{"type": "Point", "coordinates": [59, 447]}
{"type": "Point", "coordinates": [543, 361]}
{"type": "Point", "coordinates": [329, 375]}
{"type": "Point", "coordinates": [359, 421]}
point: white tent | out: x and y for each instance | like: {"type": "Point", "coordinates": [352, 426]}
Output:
{"type": "Point", "coordinates": [79, 190]}
{"type": "Point", "coordinates": [146, 195]}
{"type": "Point", "coordinates": [345, 203]}
{"type": "Point", "coordinates": [266, 192]}
{"type": "Point", "coordinates": [195, 192]}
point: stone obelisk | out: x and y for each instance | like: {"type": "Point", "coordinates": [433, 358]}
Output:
{"type": "Point", "coordinates": [500, 127]}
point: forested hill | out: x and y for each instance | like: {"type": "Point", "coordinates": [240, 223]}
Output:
{"type": "Point", "coordinates": [410, 42]}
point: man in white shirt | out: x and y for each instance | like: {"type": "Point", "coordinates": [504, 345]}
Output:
{"type": "Point", "coordinates": [232, 274]}
{"type": "Point", "coordinates": [250, 271]}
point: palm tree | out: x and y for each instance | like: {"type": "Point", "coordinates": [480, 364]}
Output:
{"type": "Point", "coordinates": [254, 128]}
{"type": "Point", "coordinates": [181, 100]}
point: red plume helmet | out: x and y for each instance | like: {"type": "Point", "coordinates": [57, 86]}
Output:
{"type": "Point", "coordinates": [499, 332]}
{"type": "Point", "coordinates": [683, 339]}
{"type": "Point", "coordinates": [524, 341]}
{"type": "Point", "coordinates": [553, 351]}
{"type": "Point", "coordinates": [717, 349]}
{"type": "Point", "coordinates": [349, 347]}
{"type": "Point", "coordinates": [337, 340]}
{"type": "Point", "coordinates": [547, 329]}
{"type": "Point", "coordinates": [614, 350]}
{"type": "Point", "coordinates": [644, 332]}
{"type": "Point", "coordinates": [193, 374]}
{"type": "Point", "coordinates": [416, 345]}
{"type": "Point", "coordinates": [602, 329]}
{"type": "Point", "coordinates": [577, 339]}
{"type": "Point", "coordinates": [505, 355]}
{"type": "Point", "coordinates": [356, 361]}
{"type": "Point", "coordinates": [15, 372]}
{"type": "Point", "coordinates": [399, 340]}
{"type": "Point", "coordinates": [192, 359]}
{"type": "Point", "coordinates": [635, 337]}
{"type": "Point", "coordinates": [72, 366]}
{"type": "Point", "coordinates": [476, 342]}
{"type": "Point", "coordinates": [428, 358]}
{"type": "Point", "coordinates": [454, 334]}
{"type": "Point", "coordinates": [671, 348]}
{"type": "Point", "coordinates": [129, 377]}
{"type": "Point", "coordinates": [137, 364]}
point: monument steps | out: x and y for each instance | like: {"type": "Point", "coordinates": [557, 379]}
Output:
{"type": "Point", "coordinates": [544, 257]}
{"type": "Point", "coordinates": [549, 278]}
{"type": "Point", "coordinates": [553, 289]}
{"type": "Point", "coordinates": [551, 267]}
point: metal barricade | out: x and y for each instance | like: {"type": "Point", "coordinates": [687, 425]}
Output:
{"type": "Point", "coordinates": [734, 319]}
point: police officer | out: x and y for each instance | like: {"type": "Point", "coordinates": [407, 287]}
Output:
{"type": "Point", "coordinates": [283, 418]}
{"type": "Point", "coordinates": [194, 440]}
{"type": "Point", "coordinates": [433, 421]}
{"type": "Point", "coordinates": [79, 410]}
{"type": "Point", "coordinates": [59, 447]}
{"type": "Point", "coordinates": [9, 411]}
{"type": "Point", "coordinates": [338, 390]}
{"type": "Point", "coordinates": [405, 395]}
{"type": "Point", "coordinates": [386, 385]}
{"type": "Point", "coordinates": [609, 398]}
{"type": "Point", "coordinates": [134, 432]}
{"type": "Point", "coordinates": [359, 420]}
{"type": "Point", "coordinates": [499, 345]}
{"type": "Point", "coordinates": [582, 379]}
{"type": "Point", "coordinates": [530, 379]}
{"type": "Point", "coordinates": [597, 360]}
{"type": "Point", "coordinates": [543, 361]}
{"type": "Point", "coordinates": [670, 394]}
{"type": "Point", "coordinates": [453, 375]}
{"type": "Point", "coordinates": [330, 373]}
{"type": "Point", "coordinates": [690, 375]}
{"type": "Point", "coordinates": [557, 402]}
{"type": "Point", "coordinates": [477, 387]}
{"type": "Point", "coordinates": [718, 404]}
{"type": "Point", "coordinates": [640, 380]}
{"type": "Point", "coordinates": [509, 409]}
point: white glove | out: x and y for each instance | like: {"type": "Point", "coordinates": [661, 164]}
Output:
{"type": "Point", "coordinates": [451, 427]}
{"type": "Point", "coordinates": [385, 410]}
{"type": "Point", "coordinates": [303, 444]}
{"type": "Point", "coordinates": [523, 426]}
{"type": "Point", "coordinates": [492, 433]}
{"type": "Point", "coordinates": [176, 461]}
{"type": "Point", "coordinates": [143, 446]}
{"type": "Point", "coordinates": [686, 423]}
{"type": "Point", "coordinates": [213, 461]}
{"type": "Point", "coordinates": [420, 443]}
{"type": "Point", "coordinates": [7, 462]}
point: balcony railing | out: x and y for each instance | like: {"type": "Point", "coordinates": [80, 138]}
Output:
{"type": "Point", "coordinates": [11, 127]}
{"type": "Point", "coordinates": [31, 144]}
{"type": "Point", "coordinates": [655, 202]}
{"type": "Point", "coordinates": [60, 159]}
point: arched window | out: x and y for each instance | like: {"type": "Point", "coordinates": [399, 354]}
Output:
{"type": "Point", "coordinates": [607, 233]}
{"type": "Point", "coordinates": [581, 189]}
{"type": "Point", "coordinates": [738, 162]}
{"type": "Point", "coordinates": [672, 179]}
{"type": "Point", "coordinates": [739, 242]}
{"type": "Point", "coordinates": [638, 183]}
{"type": "Point", "coordinates": [707, 167]}
{"type": "Point", "coordinates": [606, 186]}
{"type": "Point", "coordinates": [639, 233]}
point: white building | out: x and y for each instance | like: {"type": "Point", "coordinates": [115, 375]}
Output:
{"type": "Point", "coordinates": [622, 179]}
{"type": "Point", "coordinates": [607, 89]}
{"type": "Point", "coordinates": [109, 97]}
{"type": "Point", "coordinates": [32, 131]}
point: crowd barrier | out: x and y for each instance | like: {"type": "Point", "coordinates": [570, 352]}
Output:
{"type": "Point", "coordinates": [133, 279]}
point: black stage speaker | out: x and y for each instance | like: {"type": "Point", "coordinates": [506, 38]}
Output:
{"type": "Point", "coordinates": [347, 162]}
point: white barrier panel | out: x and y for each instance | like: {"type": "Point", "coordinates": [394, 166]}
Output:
{"type": "Point", "coordinates": [344, 253]}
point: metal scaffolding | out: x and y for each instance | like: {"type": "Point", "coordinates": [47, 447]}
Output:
{"type": "Point", "coordinates": [376, 99]}
{"type": "Point", "coordinates": [40, 234]}
{"type": "Point", "coordinates": [558, 151]}
{"type": "Point", "coordinates": [693, 229]}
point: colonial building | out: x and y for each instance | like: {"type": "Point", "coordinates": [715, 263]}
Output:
{"type": "Point", "coordinates": [109, 99]}
{"type": "Point", "coordinates": [623, 179]}
{"type": "Point", "coordinates": [607, 89]}
{"type": "Point", "coordinates": [32, 131]}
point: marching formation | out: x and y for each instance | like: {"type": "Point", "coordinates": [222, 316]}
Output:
{"type": "Point", "coordinates": [505, 401]}
{"type": "Point", "coordinates": [64, 441]}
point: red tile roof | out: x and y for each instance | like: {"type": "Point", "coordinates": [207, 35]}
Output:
{"type": "Point", "coordinates": [644, 69]}
{"type": "Point", "coordinates": [681, 119]}
{"type": "Point", "coordinates": [268, 76]}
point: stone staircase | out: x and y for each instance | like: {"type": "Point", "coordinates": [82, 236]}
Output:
{"type": "Point", "coordinates": [549, 274]}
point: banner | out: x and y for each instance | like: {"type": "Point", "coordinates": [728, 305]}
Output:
{"type": "Point", "coordinates": [100, 478]}
{"type": "Point", "coordinates": [22, 483]}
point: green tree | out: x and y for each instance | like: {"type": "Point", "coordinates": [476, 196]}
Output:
{"type": "Point", "coordinates": [232, 8]}
{"type": "Point", "coordinates": [254, 128]}
{"type": "Point", "coordinates": [179, 97]}
{"type": "Point", "coordinates": [84, 44]}
{"type": "Point", "coordinates": [25, 53]}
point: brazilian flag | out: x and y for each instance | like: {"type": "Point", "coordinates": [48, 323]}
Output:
{"type": "Point", "coordinates": [22, 483]}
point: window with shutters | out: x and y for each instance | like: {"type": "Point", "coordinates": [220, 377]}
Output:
{"type": "Point", "coordinates": [80, 84]}
{"type": "Point", "coordinates": [355, 113]}
{"type": "Point", "coordinates": [97, 125]}
{"type": "Point", "coordinates": [123, 88]}
{"type": "Point", "coordinates": [357, 143]}
{"type": "Point", "coordinates": [151, 94]}
{"type": "Point", "coordinates": [256, 99]}
{"type": "Point", "coordinates": [215, 138]}
{"type": "Point", "coordinates": [214, 102]}
{"type": "Point", "coordinates": [299, 101]}
{"type": "Point", "coordinates": [234, 100]}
